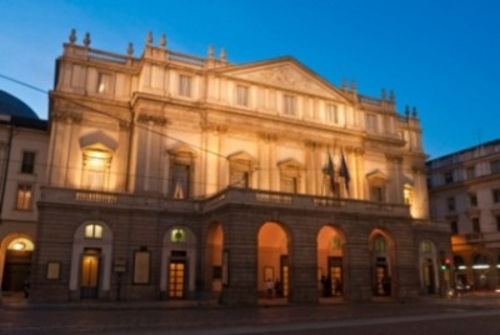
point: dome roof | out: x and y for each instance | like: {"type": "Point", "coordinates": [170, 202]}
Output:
{"type": "Point", "coordinates": [10, 105]}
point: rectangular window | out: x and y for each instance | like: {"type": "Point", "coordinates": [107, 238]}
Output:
{"type": "Point", "coordinates": [472, 199]}
{"type": "Point", "coordinates": [239, 179]}
{"type": "Point", "coordinates": [289, 104]}
{"type": "Point", "coordinates": [28, 162]}
{"type": "Point", "coordinates": [180, 181]}
{"type": "Point", "coordinates": [185, 85]}
{"type": "Point", "coordinates": [289, 184]}
{"type": "Point", "coordinates": [331, 114]}
{"type": "Point", "coordinates": [470, 172]}
{"type": "Point", "coordinates": [377, 193]}
{"type": "Point", "coordinates": [241, 95]}
{"type": "Point", "coordinates": [448, 177]}
{"type": "Point", "coordinates": [371, 122]}
{"type": "Point", "coordinates": [454, 227]}
{"type": "Point", "coordinates": [451, 203]}
{"type": "Point", "coordinates": [23, 198]}
{"type": "Point", "coordinates": [497, 218]}
{"type": "Point", "coordinates": [495, 166]}
{"type": "Point", "coordinates": [496, 195]}
{"type": "Point", "coordinates": [475, 225]}
{"type": "Point", "coordinates": [104, 82]}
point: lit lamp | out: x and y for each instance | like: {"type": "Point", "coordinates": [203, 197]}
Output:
{"type": "Point", "coordinates": [19, 246]}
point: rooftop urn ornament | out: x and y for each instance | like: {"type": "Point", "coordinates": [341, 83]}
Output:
{"type": "Point", "coordinates": [392, 96]}
{"type": "Point", "coordinates": [353, 85]}
{"type": "Point", "coordinates": [210, 51]}
{"type": "Point", "coordinates": [344, 83]}
{"type": "Point", "coordinates": [223, 54]}
{"type": "Point", "coordinates": [149, 38]}
{"type": "Point", "coordinates": [163, 41]}
{"type": "Point", "coordinates": [72, 36]}
{"type": "Point", "coordinates": [407, 111]}
{"type": "Point", "coordinates": [414, 112]}
{"type": "Point", "coordinates": [86, 40]}
{"type": "Point", "coordinates": [384, 94]}
{"type": "Point", "coordinates": [130, 49]}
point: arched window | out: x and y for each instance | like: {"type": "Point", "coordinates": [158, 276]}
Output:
{"type": "Point", "coordinates": [425, 246]}
{"type": "Point", "coordinates": [380, 244]}
{"type": "Point", "coordinates": [93, 231]}
{"type": "Point", "coordinates": [178, 235]}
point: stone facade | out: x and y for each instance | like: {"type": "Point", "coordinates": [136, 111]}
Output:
{"type": "Point", "coordinates": [178, 177]}
{"type": "Point", "coordinates": [465, 194]}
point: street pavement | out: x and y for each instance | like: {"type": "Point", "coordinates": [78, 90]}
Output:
{"type": "Point", "coordinates": [479, 312]}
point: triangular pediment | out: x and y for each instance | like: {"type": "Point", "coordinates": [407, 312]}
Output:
{"type": "Point", "coordinates": [376, 175]}
{"type": "Point", "coordinates": [286, 74]}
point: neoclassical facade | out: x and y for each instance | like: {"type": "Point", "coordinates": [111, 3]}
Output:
{"type": "Point", "coordinates": [177, 177]}
{"type": "Point", "coordinates": [464, 191]}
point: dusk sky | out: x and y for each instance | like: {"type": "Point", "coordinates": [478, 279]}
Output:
{"type": "Point", "coordinates": [441, 56]}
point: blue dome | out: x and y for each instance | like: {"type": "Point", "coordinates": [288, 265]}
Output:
{"type": "Point", "coordinates": [10, 105]}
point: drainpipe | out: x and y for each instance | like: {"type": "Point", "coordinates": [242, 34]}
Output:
{"type": "Point", "coordinates": [6, 169]}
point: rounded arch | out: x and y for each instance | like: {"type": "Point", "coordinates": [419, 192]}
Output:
{"type": "Point", "coordinates": [178, 264]}
{"type": "Point", "coordinates": [92, 253]}
{"type": "Point", "coordinates": [273, 241]}
{"type": "Point", "coordinates": [330, 259]}
{"type": "Point", "coordinates": [16, 253]}
{"type": "Point", "coordinates": [382, 249]}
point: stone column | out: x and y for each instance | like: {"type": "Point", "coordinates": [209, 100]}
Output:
{"type": "Point", "coordinates": [358, 177]}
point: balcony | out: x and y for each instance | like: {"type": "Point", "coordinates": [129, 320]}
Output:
{"type": "Point", "coordinates": [228, 196]}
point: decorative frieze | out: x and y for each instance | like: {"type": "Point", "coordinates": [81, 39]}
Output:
{"type": "Point", "coordinates": [155, 119]}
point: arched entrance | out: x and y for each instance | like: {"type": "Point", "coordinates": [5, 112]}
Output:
{"type": "Point", "coordinates": [215, 243]}
{"type": "Point", "coordinates": [90, 276]}
{"type": "Point", "coordinates": [428, 267]}
{"type": "Point", "coordinates": [382, 250]}
{"type": "Point", "coordinates": [17, 264]}
{"type": "Point", "coordinates": [178, 270]}
{"type": "Point", "coordinates": [330, 262]}
{"type": "Point", "coordinates": [273, 274]}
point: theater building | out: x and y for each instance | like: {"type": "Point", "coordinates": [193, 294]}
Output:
{"type": "Point", "coordinates": [177, 177]}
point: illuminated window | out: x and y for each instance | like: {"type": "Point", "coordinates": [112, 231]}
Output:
{"type": "Point", "coordinates": [380, 244]}
{"type": "Point", "coordinates": [371, 122]}
{"type": "Point", "coordinates": [28, 162]}
{"type": "Point", "coordinates": [95, 168]}
{"type": "Point", "coordinates": [21, 244]}
{"type": "Point", "coordinates": [239, 178]}
{"type": "Point", "coordinates": [425, 246]}
{"type": "Point", "coordinates": [331, 113]}
{"type": "Point", "coordinates": [289, 106]}
{"type": "Point", "coordinates": [178, 235]}
{"type": "Point", "coordinates": [23, 198]}
{"type": "Point", "coordinates": [408, 196]}
{"type": "Point", "coordinates": [93, 231]}
{"type": "Point", "coordinates": [242, 95]}
{"type": "Point", "coordinates": [185, 85]}
{"type": "Point", "coordinates": [180, 181]}
{"type": "Point", "coordinates": [104, 82]}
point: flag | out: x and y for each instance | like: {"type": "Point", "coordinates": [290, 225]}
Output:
{"type": "Point", "coordinates": [329, 170]}
{"type": "Point", "coordinates": [344, 172]}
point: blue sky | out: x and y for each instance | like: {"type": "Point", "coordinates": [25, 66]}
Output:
{"type": "Point", "coordinates": [440, 56]}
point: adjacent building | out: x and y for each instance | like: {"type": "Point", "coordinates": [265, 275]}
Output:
{"type": "Point", "coordinates": [170, 176]}
{"type": "Point", "coordinates": [464, 189]}
{"type": "Point", "coordinates": [23, 151]}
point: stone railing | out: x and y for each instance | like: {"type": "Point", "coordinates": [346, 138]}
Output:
{"type": "Point", "coordinates": [228, 196]}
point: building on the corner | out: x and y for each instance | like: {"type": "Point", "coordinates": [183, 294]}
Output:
{"type": "Point", "coordinates": [464, 192]}
{"type": "Point", "coordinates": [177, 177]}
{"type": "Point", "coordinates": [23, 149]}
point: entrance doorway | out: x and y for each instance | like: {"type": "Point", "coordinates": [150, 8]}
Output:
{"type": "Point", "coordinates": [89, 279]}
{"type": "Point", "coordinates": [428, 276]}
{"type": "Point", "coordinates": [335, 273]}
{"type": "Point", "coordinates": [177, 279]}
